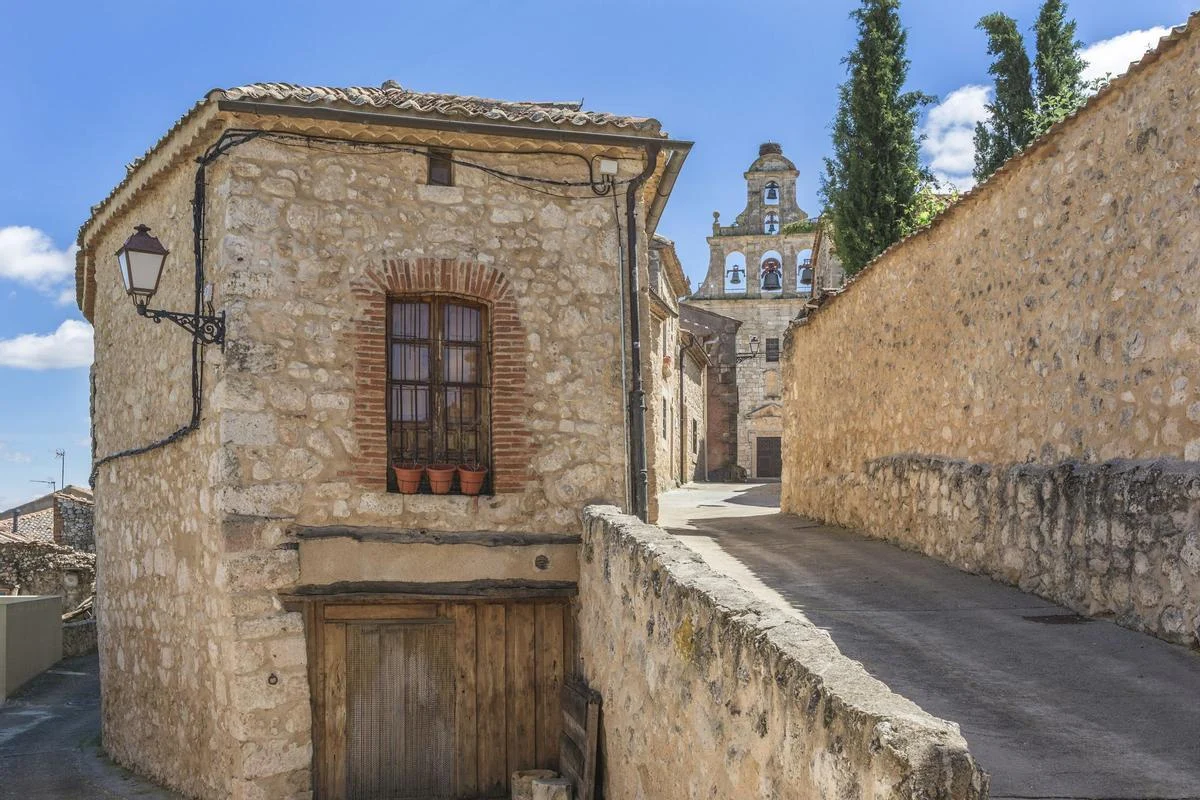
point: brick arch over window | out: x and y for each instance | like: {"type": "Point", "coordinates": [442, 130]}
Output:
{"type": "Point", "coordinates": [512, 448]}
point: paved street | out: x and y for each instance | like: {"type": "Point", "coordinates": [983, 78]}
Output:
{"type": "Point", "coordinates": [50, 741]}
{"type": "Point", "coordinates": [1052, 705]}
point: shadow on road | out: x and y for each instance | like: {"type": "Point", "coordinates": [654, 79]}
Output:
{"type": "Point", "coordinates": [1080, 708]}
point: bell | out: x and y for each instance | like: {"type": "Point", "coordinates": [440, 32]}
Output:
{"type": "Point", "coordinates": [736, 277]}
{"type": "Point", "coordinates": [771, 228]}
{"type": "Point", "coordinates": [772, 192]}
{"type": "Point", "coordinates": [771, 282]}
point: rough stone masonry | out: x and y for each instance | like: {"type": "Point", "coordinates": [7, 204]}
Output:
{"type": "Point", "coordinates": [1022, 377]}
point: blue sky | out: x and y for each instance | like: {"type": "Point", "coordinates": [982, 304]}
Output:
{"type": "Point", "coordinates": [87, 87]}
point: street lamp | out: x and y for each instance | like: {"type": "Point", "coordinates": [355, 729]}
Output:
{"type": "Point", "coordinates": [141, 260]}
{"type": "Point", "coordinates": [753, 353]}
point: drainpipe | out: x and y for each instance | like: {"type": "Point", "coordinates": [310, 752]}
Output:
{"type": "Point", "coordinates": [637, 392]}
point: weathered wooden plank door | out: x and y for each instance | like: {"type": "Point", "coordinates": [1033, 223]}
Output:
{"type": "Point", "coordinates": [436, 700]}
{"type": "Point", "coordinates": [390, 703]}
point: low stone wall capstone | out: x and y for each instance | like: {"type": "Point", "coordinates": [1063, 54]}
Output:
{"type": "Point", "coordinates": [707, 693]}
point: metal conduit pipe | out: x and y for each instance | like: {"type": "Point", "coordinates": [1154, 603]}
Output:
{"type": "Point", "coordinates": [637, 391]}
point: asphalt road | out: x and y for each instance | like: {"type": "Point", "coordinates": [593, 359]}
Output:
{"type": "Point", "coordinates": [50, 741]}
{"type": "Point", "coordinates": [1051, 704]}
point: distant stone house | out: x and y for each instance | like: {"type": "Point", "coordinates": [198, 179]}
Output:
{"type": "Point", "coordinates": [47, 547]}
{"type": "Point", "coordinates": [407, 279]}
{"type": "Point", "coordinates": [677, 401]}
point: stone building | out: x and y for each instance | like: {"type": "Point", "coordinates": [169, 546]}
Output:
{"type": "Point", "coordinates": [761, 273]}
{"type": "Point", "coordinates": [718, 335]}
{"type": "Point", "coordinates": [677, 399]}
{"type": "Point", "coordinates": [47, 547]}
{"type": "Point", "coordinates": [406, 279]}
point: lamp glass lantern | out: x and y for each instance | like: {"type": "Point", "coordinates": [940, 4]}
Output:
{"type": "Point", "coordinates": [141, 259]}
{"type": "Point", "coordinates": [753, 345]}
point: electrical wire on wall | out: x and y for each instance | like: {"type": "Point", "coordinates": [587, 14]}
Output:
{"type": "Point", "coordinates": [597, 189]}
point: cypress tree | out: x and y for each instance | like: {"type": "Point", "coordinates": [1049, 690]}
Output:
{"type": "Point", "coordinates": [1059, 66]}
{"type": "Point", "coordinates": [874, 173]}
{"type": "Point", "coordinates": [1010, 126]}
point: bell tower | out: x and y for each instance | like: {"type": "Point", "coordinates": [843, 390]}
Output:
{"type": "Point", "coordinates": [753, 258]}
{"type": "Point", "coordinates": [762, 277]}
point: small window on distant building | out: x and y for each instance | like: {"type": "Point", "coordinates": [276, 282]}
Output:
{"type": "Point", "coordinates": [441, 172]}
{"type": "Point", "coordinates": [695, 439]}
{"type": "Point", "coordinates": [772, 349]}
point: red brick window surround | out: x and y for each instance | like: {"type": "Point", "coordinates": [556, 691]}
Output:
{"type": "Point", "coordinates": [447, 281]}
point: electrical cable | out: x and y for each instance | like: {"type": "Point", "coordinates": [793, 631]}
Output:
{"type": "Point", "coordinates": [232, 138]}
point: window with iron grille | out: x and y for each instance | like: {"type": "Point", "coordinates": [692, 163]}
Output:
{"type": "Point", "coordinates": [439, 388]}
{"type": "Point", "coordinates": [772, 349]}
{"type": "Point", "coordinates": [695, 438]}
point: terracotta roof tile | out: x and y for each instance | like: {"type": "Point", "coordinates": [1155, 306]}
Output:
{"type": "Point", "coordinates": [37, 526]}
{"type": "Point", "coordinates": [393, 96]}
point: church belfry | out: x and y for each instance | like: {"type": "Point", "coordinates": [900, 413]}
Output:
{"type": "Point", "coordinates": [753, 257]}
{"type": "Point", "coordinates": [761, 277]}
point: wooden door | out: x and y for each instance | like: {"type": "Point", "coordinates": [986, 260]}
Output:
{"type": "Point", "coordinates": [435, 700]}
{"type": "Point", "coordinates": [769, 457]}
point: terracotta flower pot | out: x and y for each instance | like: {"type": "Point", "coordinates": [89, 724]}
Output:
{"type": "Point", "coordinates": [408, 477]}
{"type": "Point", "coordinates": [471, 478]}
{"type": "Point", "coordinates": [441, 477]}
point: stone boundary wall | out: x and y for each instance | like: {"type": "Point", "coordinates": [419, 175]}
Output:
{"type": "Point", "coordinates": [708, 694]}
{"type": "Point", "coordinates": [79, 638]}
{"type": "Point", "coordinates": [1051, 317]}
{"type": "Point", "coordinates": [1118, 539]}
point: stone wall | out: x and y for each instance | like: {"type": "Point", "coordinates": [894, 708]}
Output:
{"type": "Point", "coordinates": [78, 638]}
{"type": "Point", "coordinates": [73, 523]}
{"type": "Point", "coordinates": [161, 608]}
{"type": "Point", "coordinates": [759, 382]}
{"type": "Point", "coordinates": [721, 389]}
{"type": "Point", "coordinates": [45, 568]}
{"type": "Point", "coordinates": [1048, 318]}
{"type": "Point", "coordinates": [708, 694]}
{"type": "Point", "coordinates": [693, 413]}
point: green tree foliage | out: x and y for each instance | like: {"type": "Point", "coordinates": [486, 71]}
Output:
{"type": "Point", "coordinates": [1055, 108]}
{"type": "Point", "coordinates": [1008, 128]}
{"type": "Point", "coordinates": [1018, 115]}
{"type": "Point", "coordinates": [875, 170]}
{"type": "Point", "coordinates": [1059, 66]}
{"type": "Point", "coordinates": [930, 201]}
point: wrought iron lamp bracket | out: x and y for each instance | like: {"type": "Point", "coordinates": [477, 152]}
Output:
{"type": "Point", "coordinates": [205, 328]}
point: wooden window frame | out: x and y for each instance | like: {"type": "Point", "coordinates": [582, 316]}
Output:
{"type": "Point", "coordinates": [438, 155]}
{"type": "Point", "coordinates": [437, 425]}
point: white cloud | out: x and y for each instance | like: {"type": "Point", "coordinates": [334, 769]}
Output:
{"type": "Point", "coordinates": [13, 456]}
{"type": "Point", "coordinates": [1113, 56]}
{"type": "Point", "coordinates": [949, 130]}
{"type": "Point", "coordinates": [69, 346]}
{"type": "Point", "coordinates": [28, 255]}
